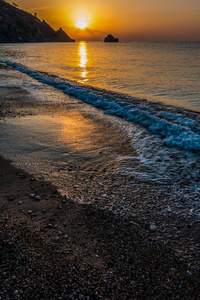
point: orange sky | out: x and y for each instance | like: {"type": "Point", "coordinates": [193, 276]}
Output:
{"type": "Point", "coordinates": [129, 20]}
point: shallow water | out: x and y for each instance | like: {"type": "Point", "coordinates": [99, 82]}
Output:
{"type": "Point", "coordinates": [84, 131]}
{"type": "Point", "coordinates": [80, 149]}
{"type": "Point", "coordinates": [167, 72]}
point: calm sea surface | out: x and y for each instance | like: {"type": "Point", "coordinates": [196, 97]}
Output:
{"type": "Point", "coordinates": [166, 72]}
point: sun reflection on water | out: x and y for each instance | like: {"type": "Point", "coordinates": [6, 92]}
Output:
{"type": "Point", "coordinates": [83, 60]}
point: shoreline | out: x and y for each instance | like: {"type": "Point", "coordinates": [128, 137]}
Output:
{"type": "Point", "coordinates": [57, 247]}
{"type": "Point", "coordinates": [176, 131]}
{"type": "Point", "coordinates": [128, 96]}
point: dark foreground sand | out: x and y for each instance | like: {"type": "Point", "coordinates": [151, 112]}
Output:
{"type": "Point", "coordinates": [56, 248]}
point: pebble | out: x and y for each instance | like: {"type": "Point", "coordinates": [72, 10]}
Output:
{"type": "Point", "coordinates": [132, 283]}
{"type": "Point", "coordinates": [152, 227]}
{"type": "Point", "coordinates": [37, 198]}
{"type": "Point", "coordinates": [15, 292]}
{"type": "Point", "coordinates": [173, 270]}
{"type": "Point", "coordinates": [60, 233]}
{"type": "Point", "coordinates": [33, 179]}
{"type": "Point", "coordinates": [31, 196]}
{"type": "Point", "coordinates": [11, 198]}
{"type": "Point", "coordinates": [189, 273]}
{"type": "Point", "coordinates": [20, 202]}
{"type": "Point", "coordinates": [30, 212]}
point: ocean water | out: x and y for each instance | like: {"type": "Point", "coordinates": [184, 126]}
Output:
{"type": "Point", "coordinates": [143, 96]}
{"type": "Point", "coordinates": [166, 72]}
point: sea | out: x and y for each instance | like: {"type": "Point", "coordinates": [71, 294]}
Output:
{"type": "Point", "coordinates": [131, 108]}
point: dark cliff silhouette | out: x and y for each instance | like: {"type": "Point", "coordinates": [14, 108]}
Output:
{"type": "Point", "coordinates": [111, 39]}
{"type": "Point", "coordinates": [18, 26]}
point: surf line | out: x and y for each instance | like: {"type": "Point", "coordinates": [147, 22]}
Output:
{"type": "Point", "coordinates": [175, 130]}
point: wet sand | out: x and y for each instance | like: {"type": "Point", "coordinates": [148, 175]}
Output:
{"type": "Point", "coordinates": [58, 248]}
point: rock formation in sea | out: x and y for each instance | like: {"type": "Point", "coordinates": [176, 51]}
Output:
{"type": "Point", "coordinates": [111, 39]}
{"type": "Point", "coordinates": [19, 26]}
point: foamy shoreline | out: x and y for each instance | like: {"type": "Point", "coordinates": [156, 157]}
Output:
{"type": "Point", "coordinates": [174, 128]}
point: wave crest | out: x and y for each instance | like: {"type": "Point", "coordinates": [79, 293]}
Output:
{"type": "Point", "coordinates": [175, 129]}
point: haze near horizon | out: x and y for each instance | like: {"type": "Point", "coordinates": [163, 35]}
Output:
{"type": "Point", "coordinates": [130, 20]}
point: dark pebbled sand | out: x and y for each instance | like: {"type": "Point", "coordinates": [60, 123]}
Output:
{"type": "Point", "coordinates": [98, 255]}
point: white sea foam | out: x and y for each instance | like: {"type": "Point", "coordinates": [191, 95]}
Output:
{"type": "Point", "coordinates": [158, 163]}
{"type": "Point", "coordinates": [174, 129]}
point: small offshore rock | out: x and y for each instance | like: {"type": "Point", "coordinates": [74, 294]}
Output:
{"type": "Point", "coordinates": [37, 198]}
{"type": "Point", "coordinates": [111, 38]}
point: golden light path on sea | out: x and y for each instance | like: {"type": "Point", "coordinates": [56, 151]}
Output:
{"type": "Point", "coordinates": [83, 60]}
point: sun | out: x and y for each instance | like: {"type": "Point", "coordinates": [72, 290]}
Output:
{"type": "Point", "coordinates": [81, 24]}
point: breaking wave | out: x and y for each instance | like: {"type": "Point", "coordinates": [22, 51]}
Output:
{"type": "Point", "coordinates": [174, 129]}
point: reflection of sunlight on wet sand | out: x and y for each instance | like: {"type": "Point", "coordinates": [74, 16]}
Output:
{"type": "Point", "coordinates": [83, 60]}
{"type": "Point", "coordinates": [76, 131]}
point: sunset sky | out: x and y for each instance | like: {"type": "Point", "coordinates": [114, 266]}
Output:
{"type": "Point", "coordinates": [129, 20]}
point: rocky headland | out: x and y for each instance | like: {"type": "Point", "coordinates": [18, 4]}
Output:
{"type": "Point", "coordinates": [18, 26]}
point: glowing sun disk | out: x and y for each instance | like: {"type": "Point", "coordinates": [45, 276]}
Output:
{"type": "Point", "coordinates": [81, 24]}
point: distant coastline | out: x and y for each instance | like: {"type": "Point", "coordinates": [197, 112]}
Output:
{"type": "Point", "coordinates": [19, 26]}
